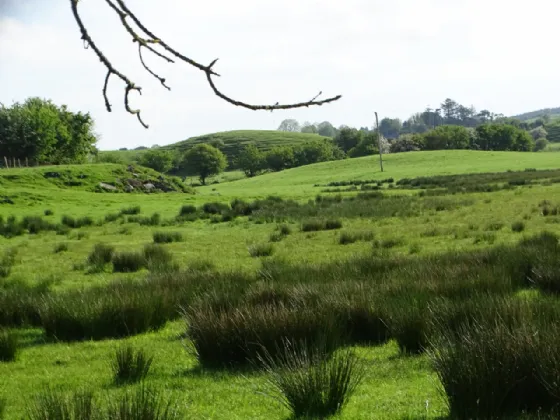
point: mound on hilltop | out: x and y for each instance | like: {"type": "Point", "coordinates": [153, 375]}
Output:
{"type": "Point", "coordinates": [229, 142]}
{"type": "Point", "coordinates": [94, 178]}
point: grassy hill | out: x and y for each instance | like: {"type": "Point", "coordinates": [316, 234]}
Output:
{"type": "Point", "coordinates": [300, 181]}
{"type": "Point", "coordinates": [231, 142]}
{"type": "Point", "coordinates": [553, 131]}
{"type": "Point", "coordinates": [527, 116]}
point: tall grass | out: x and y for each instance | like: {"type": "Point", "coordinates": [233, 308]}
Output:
{"type": "Point", "coordinates": [51, 404]}
{"type": "Point", "coordinates": [130, 365]}
{"type": "Point", "coordinates": [167, 237]}
{"type": "Point", "coordinates": [8, 346]}
{"type": "Point", "coordinates": [312, 384]}
{"type": "Point", "coordinates": [143, 403]}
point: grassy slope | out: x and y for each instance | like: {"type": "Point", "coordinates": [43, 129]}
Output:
{"type": "Point", "coordinates": [395, 387]}
{"type": "Point", "coordinates": [300, 181]}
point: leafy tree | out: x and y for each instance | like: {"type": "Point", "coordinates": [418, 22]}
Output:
{"type": "Point", "coordinates": [502, 137]}
{"type": "Point", "coordinates": [348, 138]}
{"type": "Point", "coordinates": [390, 127]}
{"type": "Point", "coordinates": [447, 137]}
{"type": "Point", "coordinates": [326, 129]}
{"type": "Point", "coordinates": [407, 143]}
{"type": "Point", "coordinates": [251, 160]}
{"type": "Point", "coordinates": [204, 160]}
{"type": "Point", "coordinates": [157, 159]}
{"type": "Point", "coordinates": [290, 125]}
{"type": "Point", "coordinates": [313, 152]}
{"type": "Point", "coordinates": [309, 128]}
{"type": "Point", "coordinates": [279, 158]}
{"type": "Point", "coordinates": [538, 133]}
{"type": "Point", "coordinates": [45, 133]}
{"type": "Point", "coordinates": [540, 144]}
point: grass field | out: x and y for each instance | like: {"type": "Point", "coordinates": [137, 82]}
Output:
{"type": "Point", "coordinates": [434, 238]}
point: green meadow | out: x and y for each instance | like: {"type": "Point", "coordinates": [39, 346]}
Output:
{"type": "Point", "coordinates": [444, 259]}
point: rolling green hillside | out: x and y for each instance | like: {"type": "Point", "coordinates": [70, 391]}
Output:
{"type": "Point", "coordinates": [231, 142]}
{"type": "Point", "coordinates": [300, 181]}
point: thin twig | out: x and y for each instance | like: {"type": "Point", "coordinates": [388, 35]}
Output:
{"type": "Point", "coordinates": [150, 41]}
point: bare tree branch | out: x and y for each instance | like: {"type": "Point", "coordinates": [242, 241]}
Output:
{"type": "Point", "coordinates": [150, 41]}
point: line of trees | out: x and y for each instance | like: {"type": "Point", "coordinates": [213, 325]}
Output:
{"type": "Point", "coordinates": [449, 112]}
{"type": "Point", "coordinates": [44, 133]}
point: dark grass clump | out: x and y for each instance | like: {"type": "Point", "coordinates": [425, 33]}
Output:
{"type": "Point", "coordinates": [215, 208]}
{"type": "Point", "coordinates": [187, 209]}
{"type": "Point", "coordinates": [48, 212]}
{"type": "Point", "coordinates": [316, 225]}
{"type": "Point", "coordinates": [352, 237]}
{"type": "Point", "coordinates": [19, 304]}
{"type": "Point", "coordinates": [501, 366]}
{"type": "Point", "coordinates": [167, 237]}
{"type": "Point", "coordinates": [284, 229]}
{"type": "Point", "coordinates": [261, 250]}
{"type": "Point", "coordinates": [56, 405]}
{"type": "Point", "coordinates": [312, 384]}
{"type": "Point", "coordinates": [8, 346]}
{"type": "Point", "coordinates": [128, 262]}
{"type": "Point", "coordinates": [153, 220]}
{"type": "Point", "coordinates": [276, 237]}
{"type": "Point", "coordinates": [3, 405]}
{"type": "Point", "coordinates": [363, 320]}
{"type": "Point", "coordinates": [121, 309]}
{"type": "Point", "coordinates": [62, 247]}
{"type": "Point", "coordinates": [129, 211]}
{"type": "Point", "coordinates": [75, 223]}
{"type": "Point", "coordinates": [10, 228]}
{"type": "Point", "coordinates": [112, 217]}
{"type": "Point", "coordinates": [333, 224]}
{"type": "Point", "coordinates": [158, 258]}
{"type": "Point", "coordinates": [517, 227]}
{"type": "Point", "coordinates": [7, 261]}
{"type": "Point", "coordinates": [407, 320]}
{"type": "Point", "coordinates": [143, 403]}
{"type": "Point", "coordinates": [36, 224]}
{"type": "Point", "coordinates": [100, 256]}
{"type": "Point", "coordinates": [130, 366]}
{"type": "Point", "coordinates": [233, 337]}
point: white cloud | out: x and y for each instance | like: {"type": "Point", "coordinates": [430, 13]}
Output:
{"type": "Point", "coordinates": [394, 57]}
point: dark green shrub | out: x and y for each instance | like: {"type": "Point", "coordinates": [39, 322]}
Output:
{"type": "Point", "coordinates": [2, 408]}
{"type": "Point", "coordinates": [8, 346]}
{"type": "Point", "coordinates": [187, 209]}
{"type": "Point", "coordinates": [74, 223]}
{"type": "Point", "coordinates": [153, 220]}
{"type": "Point", "coordinates": [312, 226]}
{"type": "Point", "coordinates": [62, 247]}
{"type": "Point", "coordinates": [285, 229]}
{"type": "Point", "coordinates": [167, 237]}
{"type": "Point", "coordinates": [36, 224]}
{"type": "Point", "coordinates": [112, 217]}
{"type": "Point", "coordinates": [128, 262]}
{"type": "Point", "coordinates": [261, 250]}
{"type": "Point", "coordinates": [309, 385]}
{"type": "Point", "coordinates": [276, 237]}
{"type": "Point", "coordinates": [48, 212]}
{"type": "Point", "coordinates": [518, 227]}
{"type": "Point", "coordinates": [131, 210]}
{"type": "Point", "coordinates": [101, 255]}
{"type": "Point", "coordinates": [130, 366]}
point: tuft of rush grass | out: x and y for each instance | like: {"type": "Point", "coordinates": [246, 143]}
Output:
{"type": "Point", "coordinates": [51, 404]}
{"type": "Point", "coordinates": [351, 237]}
{"type": "Point", "coordinates": [100, 256]}
{"type": "Point", "coordinates": [128, 262]}
{"type": "Point", "coordinates": [62, 247]}
{"type": "Point", "coordinates": [312, 384]}
{"type": "Point", "coordinates": [7, 261]}
{"type": "Point", "coordinates": [261, 250]}
{"type": "Point", "coordinates": [8, 346]}
{"type": "Point", "coordinates": [3, 405]}
{"type": "Point", "coordinates": [167, 237]}
{"type": "Point", "coordinates": [143, 403]}
{"type": "Point", "coordinates": [130, 365]}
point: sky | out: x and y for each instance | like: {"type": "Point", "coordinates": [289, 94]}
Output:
{"type": "Point", "coordinates": [394, 57]}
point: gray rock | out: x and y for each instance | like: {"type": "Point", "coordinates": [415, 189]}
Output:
{"type": "Point", "coordinates": [107, 187]}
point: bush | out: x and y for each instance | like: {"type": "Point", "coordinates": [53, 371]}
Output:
{"type": "Point", "coordinates": [48, 212]}
{"type": "Point", "coordinates": [131, 210]}
{"type": "Point", "coordinates": [333, 224]}
{"type": "Point", "coordinates": [261, 250]}
{"type": "Point", "coordinates": [101, 255]}
{"type": "Point", "coordinates": [312, 226]}
{"type": "Point", "coordinates": [167, 237]}
{"type": "Point", "coordinates": [74, 223]}
{"type": "Point", "coordinates": [130, 366]}
{"type": "Point", "coordinates": [63, 247]}
{"type": "Point", "coordinates": [8, 346]}
{"type": "Point", "coordinates": [128, 262]}
{"type": "Point", "coordinates": [285, 229]}
{"type": "Point", "coordinates": [215, 208]}
{"type": "Point", "coordinates": [186, 210]}
{"type": "Point", "coordinates": [310, 385]}
{"type": "Point", "coordinates": [518, 227]}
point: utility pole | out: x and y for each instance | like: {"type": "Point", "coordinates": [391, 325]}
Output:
{"type": "Point", "coordinates": [379, 142]}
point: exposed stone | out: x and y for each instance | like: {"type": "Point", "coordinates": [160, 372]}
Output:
{"type": "Point", "coordinates": [107, 187]}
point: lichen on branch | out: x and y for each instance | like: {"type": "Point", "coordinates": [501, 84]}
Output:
{"type": "Point", "coordinates": [147, 40]}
